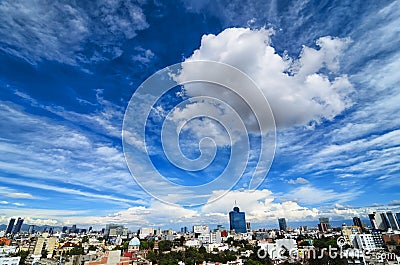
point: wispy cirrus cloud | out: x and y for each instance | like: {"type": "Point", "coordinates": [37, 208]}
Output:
{"type": "Point", "coordinates": [56, 153]}
{"type": "Point", "coordinates": [69, 33]}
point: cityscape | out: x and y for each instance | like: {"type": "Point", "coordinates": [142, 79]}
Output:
{"type": "Point", "coordinates": [359, 243]}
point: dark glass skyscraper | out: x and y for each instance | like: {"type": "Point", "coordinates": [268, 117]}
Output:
{"type": "Point", "coordinates": [357, 222]}
{"type": "Point", "coordinates": [10, 226]}
{"type": "Point", "coordinates": [237, 221]}
{"type": "Point", "coordinates": [282, 224]}
{"type": "Point", "coordinates": [18, 225]}
{"type": "Point", "coordinates": [392, 221]}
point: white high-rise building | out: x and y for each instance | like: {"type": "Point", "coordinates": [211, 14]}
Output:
{"type": "Point", "coordinates": [201, 229]}
{"type": "Point", "coordinates": [145, 232]}
{"type": "Point", "coordinates": [364, 242]}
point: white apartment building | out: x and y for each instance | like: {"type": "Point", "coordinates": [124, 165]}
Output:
{"type": "Point", "coordinates": [364, 242]}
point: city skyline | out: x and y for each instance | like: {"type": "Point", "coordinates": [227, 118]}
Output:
{"type": "Point", "coordinates": [68, 72]}
{"type": "Point", "coordinates": [387, 220]}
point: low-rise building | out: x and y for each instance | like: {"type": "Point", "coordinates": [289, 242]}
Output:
{"type": "Point", "coordinates": [10, 260]}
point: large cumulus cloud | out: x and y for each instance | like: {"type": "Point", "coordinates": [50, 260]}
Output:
{"type": "Point", "coordinates": [301, 91]}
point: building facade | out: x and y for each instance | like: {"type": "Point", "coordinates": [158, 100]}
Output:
{"type": "Point", "coordinates": [237, 221]}
{"type": "Point", "coordinates": [282, 224]}
{"type": "Point", "coordinates": [10, 226]}
{"type": "Point", "coordinates": [18, 225]}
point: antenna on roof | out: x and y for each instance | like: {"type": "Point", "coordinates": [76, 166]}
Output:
{"type": "Point", "coordinates": [235, 203]}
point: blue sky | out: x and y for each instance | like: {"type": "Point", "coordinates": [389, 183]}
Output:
{"type": "Point", "coordinates": [68, 70]}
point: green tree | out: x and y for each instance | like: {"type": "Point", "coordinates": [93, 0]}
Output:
{"type": "Point", "coordinates": [254, 257]}
{"type": "Point", "coordinates": [144, 244]}
{"type": "Point", "coordinates": [125, 245]}
{"type": "Point", "coordinates": [202, 250]}
{"type": "Point", "coordinates": [92, 248]}
{"type": "Point", "coordinates": [151, 256]}
{"type": "Point", "coordinates": [77, 251]}
{"type": "Point", "coordinates": [165, 245]}
{"type": "Point", "coordinates": [23, 254]}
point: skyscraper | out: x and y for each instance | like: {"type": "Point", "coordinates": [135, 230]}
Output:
{"type": "Point", "coordinates": [392, 220]}
{"type": "Point", "coordinates": [237, 220]}
{"type": "Point", "coordinates": [10, 226]}
{"type": "Point", "coordinates": [372, 219]}
{"type": "Point", "coordinates": [18, 226]}
{"type": "Point", "coordinates": [398, 217]}
{"type": "Point", "coordinates": [379, 221]}
{"type": "Point", "coordinates": [385, 221]}
{"type": "Point", "coordinates": [282, 224]}
{"type": "Point", "coordinates": [324, 224]}
{"type": "Point", "coordinates": [357, 222]}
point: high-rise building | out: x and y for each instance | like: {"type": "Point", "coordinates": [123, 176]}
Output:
{"type": "Point", "coordinates": [364, 242]}
{"type": "Point", "coordinates": [398, 218]}
{"type": "Point", "coordinates": [324, 220]}
{"type": "Point", "coordinates": [201, 229]}
{"type": "Point", "coordinates": [39, 246]}
{"type": "Point", "coordinates": [282, 224]}
{"type": "Point", "coordinates": [385, 220]}
{"type": "Point", "coordinates": [145, 232]}
{"type": "Point", "coordinates": [109, 227]}
{"type": "Point", "coordinates": [73, 229]}
{"type": "Point", "coordinates": [348, 233]}
{"type": "Point", "coordinates": [64, 229]}
{"type": "Point", "coordinates": [377, 236]}
{"type": "Point", "coordinates": [324, 224]}
{"type": "Point", "coordinates": [18, 225]}
{"type": "Point", "coordinates": [31, 229]}
{"type": "Point", "coordinates": [237, 220]}
{"type": "Point", "coordinates": [119, 231]}
{"type": "Point", "coordinates": [372, 219]}
{"type": "Point", "coordinates": [392, 221]}
{"type": "Point", "coordinates": [10, 226]}
{"type": "Point", "coordinates": [357, 222]}
{"type": "Point", "coordinates": [379, 221]}
{"type": "Point", "coordinates": [45, 243]}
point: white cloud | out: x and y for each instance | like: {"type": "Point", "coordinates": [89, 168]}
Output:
{"type": "Point", "coordinates": [394, 203]}
{"type": "Point", "coordinates": [57, 152]}
{"type": "Point", "coordinates": [304, 96]}
{"type": "Point", "coordinates": [67, 32]}
{"type": "Point", "coordinates": [19, 195]}
{"type": "Point", "coordinates": [14, 194]}
{"type": "Point", "coordinates": [310, 195]}
{"type": "Point", "coordinates": [260, 207]}
{"type": "Point", "coordinates": [144, 55]}
{"type": "Point", "coordinates": [298, 181]}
